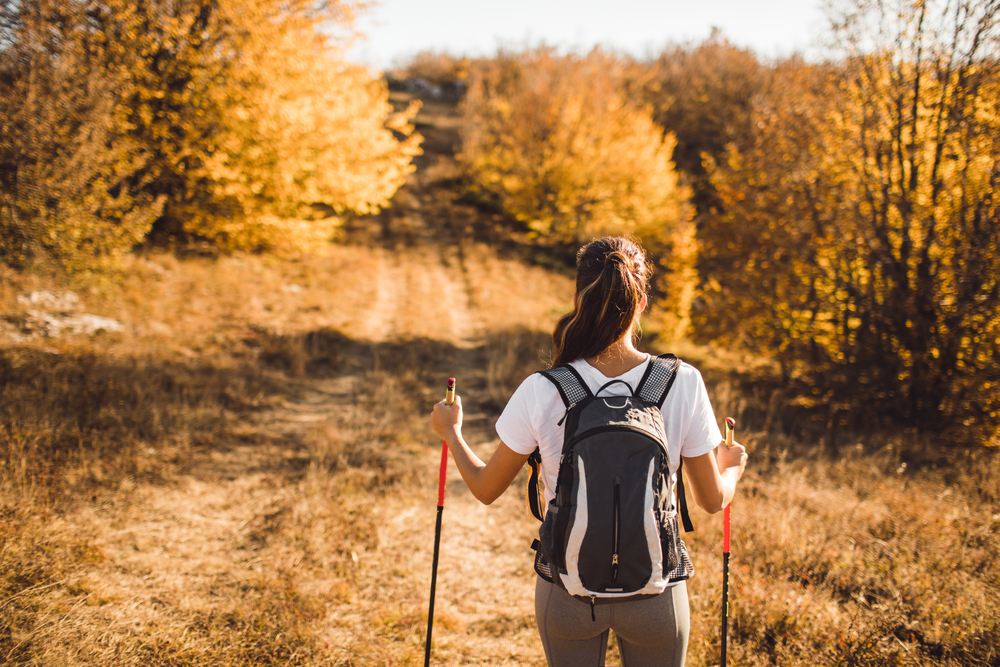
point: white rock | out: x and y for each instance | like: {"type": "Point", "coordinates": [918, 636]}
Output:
{"type": "Point", "coordinates": [50, 300]}
{"type": "Point", "coordinates": [51, 325]}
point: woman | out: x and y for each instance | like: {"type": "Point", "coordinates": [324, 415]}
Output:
{"type": "Point", "coordinates": [598, 339]}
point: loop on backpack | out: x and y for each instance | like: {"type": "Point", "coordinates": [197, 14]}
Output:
{"type": "Point", "coordinates": [630, 390]}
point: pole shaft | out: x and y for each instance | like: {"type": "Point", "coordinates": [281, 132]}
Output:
{"type": "Point", "coordinates": [443, 474]}
{"type": "Point", "coordinates": [725, 605]}
{"type": "Point", "coordinates": [434, 574]}
{"type": "Point", "coordinates": [442, 478]}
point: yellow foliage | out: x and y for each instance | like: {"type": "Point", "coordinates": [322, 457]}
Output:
{"type": "Point", "coordinates": [305, 128]}
{"type": "Point", "coordinates": [235, 121]}
{"type": "Point", "coordinates": [562, 148]}
{"type": "Point", "coordinates": [68, 169]}
{"type": "Point", "coordinates": [859, 233]}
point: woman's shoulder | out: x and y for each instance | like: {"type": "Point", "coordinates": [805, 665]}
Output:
{"type": "Point", "coordinates": [535, 396]}
{"type": "Point", "coordinates": [536, 387]}
{"type": "Point", "coordinates": [687, 370]}
{"type": "Point", "coordinates": [688, 378]}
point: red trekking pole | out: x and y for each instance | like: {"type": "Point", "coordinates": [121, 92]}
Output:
{"type": "Point", "coordinates": [449, 399]}
{"type": "Point", "coordinates": [726, 513]}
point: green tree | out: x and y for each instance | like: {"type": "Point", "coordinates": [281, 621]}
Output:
{"type": "Point", "coordinates": [860, 230]}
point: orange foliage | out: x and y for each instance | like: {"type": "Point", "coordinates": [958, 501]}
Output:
{"type": "Point", "coordinates": [859, 234]}
{"type": "Point", "coordinates": [558, 143]}
{"type": "Point", "coordinates": [232, 121]}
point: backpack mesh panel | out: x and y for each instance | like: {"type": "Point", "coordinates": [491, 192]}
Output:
{"type": "Point", "coordinates": [542, 567]}
{"type": "Point", "coordinates": [660, 374]}
{"type": "Point", "coordinates": [574, 391]}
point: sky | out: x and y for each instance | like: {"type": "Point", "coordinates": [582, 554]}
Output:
{"type": "Point", "coordinates": [398, 29]}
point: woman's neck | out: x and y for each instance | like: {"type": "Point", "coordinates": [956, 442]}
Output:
{"type": "Point", "coordinates": [619, 358]}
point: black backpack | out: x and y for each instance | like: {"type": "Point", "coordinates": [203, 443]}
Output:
{"type": "Point", "coordinates": [612, 530]}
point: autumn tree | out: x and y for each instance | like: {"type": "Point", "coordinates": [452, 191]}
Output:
{"type": "Point", "coordinates": [72, 179]}
{"type": "Point", "coordinates": [703, 95]}
{"type": "Point", "coordinates": [302, 128]}
{"type": "Point", "coordinates": [859, 234]}
{"type": "Point", "coordinates": [196, 116]}
{"type": "Point", "coordinates": [560, 146]}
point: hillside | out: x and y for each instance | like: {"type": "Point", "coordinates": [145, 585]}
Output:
{"type": "Point", "coordinates": [244, 473]}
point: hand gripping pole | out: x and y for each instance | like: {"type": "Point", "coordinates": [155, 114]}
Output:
{"type": "Point", "coordinates": [726, 515]}
{"type": "Point", "coordinates": [442, 476]}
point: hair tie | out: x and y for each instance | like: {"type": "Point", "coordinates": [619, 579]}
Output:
{"type": "Point", "coordinates": [618, 257]}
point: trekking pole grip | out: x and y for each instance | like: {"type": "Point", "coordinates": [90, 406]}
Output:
{"type": "Point", "coordinates": [449, 398]}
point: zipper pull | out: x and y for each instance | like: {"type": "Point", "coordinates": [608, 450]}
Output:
{"type": "Point", "coordinates": [593, 601]}
{"type": "Point", "coordinates": [571, 406]}
{"type": "Point", "coordinates": [614, 566]}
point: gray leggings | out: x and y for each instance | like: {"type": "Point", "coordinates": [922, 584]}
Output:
{"type": "Point", "coordinates": [651, 632]}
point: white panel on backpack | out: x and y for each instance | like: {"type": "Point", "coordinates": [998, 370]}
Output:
{"type": "Point", "coordinates": [572, 580]}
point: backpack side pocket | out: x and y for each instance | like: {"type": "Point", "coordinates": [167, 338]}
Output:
{"type": "Point", "coordinates": [670, 531]}
{"type": "Point", "coordinates": [551, 535]}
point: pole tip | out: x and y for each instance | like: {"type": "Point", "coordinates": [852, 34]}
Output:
{"type": "Point", "coordinates": [730, 422]}
{"type": "Point", "coordinates": [451, 384]}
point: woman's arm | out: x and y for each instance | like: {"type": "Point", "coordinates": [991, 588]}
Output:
{"type": "Point", "coordinates": [713, 478]}
{"type": "Point", "coordinates": [487, 481]}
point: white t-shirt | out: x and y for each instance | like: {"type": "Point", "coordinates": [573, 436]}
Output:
{"type": "Point", "coordinates": [531, 418]}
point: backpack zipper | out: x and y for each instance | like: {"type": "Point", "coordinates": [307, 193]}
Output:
{"type": "Point", "coordinates": [568, 447]}
{"type": "Point", "coordinates": [617, 521]}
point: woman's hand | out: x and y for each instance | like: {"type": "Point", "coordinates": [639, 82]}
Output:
{"type": "Point", "coordinates": [487, 481]}
{"type": "Point", "coordinates": [713, 482]}
{"type": "Point", "coordinates": [447, 420]}
{"type": "Point", "coordinates": [734, 457]}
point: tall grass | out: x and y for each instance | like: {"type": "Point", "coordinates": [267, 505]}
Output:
{"type": "Point", "coordinates": [213, 485]}
{"type": "Point", "coordinates": [246, 475]}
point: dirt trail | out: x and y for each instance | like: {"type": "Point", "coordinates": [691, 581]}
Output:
{"type": "Point", "coordinates": [210, 538]}
{"type": "Point", "coordinates": [420, 288]}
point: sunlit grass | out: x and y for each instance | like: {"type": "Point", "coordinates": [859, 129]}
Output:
{"type": "Point", "coordinates": [229, 493]}
{"type": "Point", "coordinates": [245, 475]}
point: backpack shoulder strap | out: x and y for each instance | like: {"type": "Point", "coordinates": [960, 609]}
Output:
{"type": "Point", "coordinates": [659, 378]}
{"type": "Point", "coordinates": [572, 388]}
{"type": "Point", "coordinates": [682, 500]}
{"type": "Point", "coordinates": [654, 387]}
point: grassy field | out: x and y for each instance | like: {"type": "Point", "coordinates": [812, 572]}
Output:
{"type": "Point", "coordinates": [245, 474]}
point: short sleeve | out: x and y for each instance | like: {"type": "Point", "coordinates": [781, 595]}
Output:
{"type": "Point", "coordinates": [515, 426]}
{"type": "Point", "coordinates": [692, 429]}
{"type": "Point", "coordinates": [703, 434]}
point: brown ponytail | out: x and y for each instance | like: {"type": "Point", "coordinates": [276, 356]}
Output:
{"type": "Point", "coordinates": [612, 276]}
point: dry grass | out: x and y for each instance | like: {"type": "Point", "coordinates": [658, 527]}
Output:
{"type": "Point", "coordinates": [238, 477]}
{"type": "Point", "coordinates": [231, 493]}
{"type": "Point", "coordinates": [857, 561]}
{"type": "Point", "coordinates": [246, 476]}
